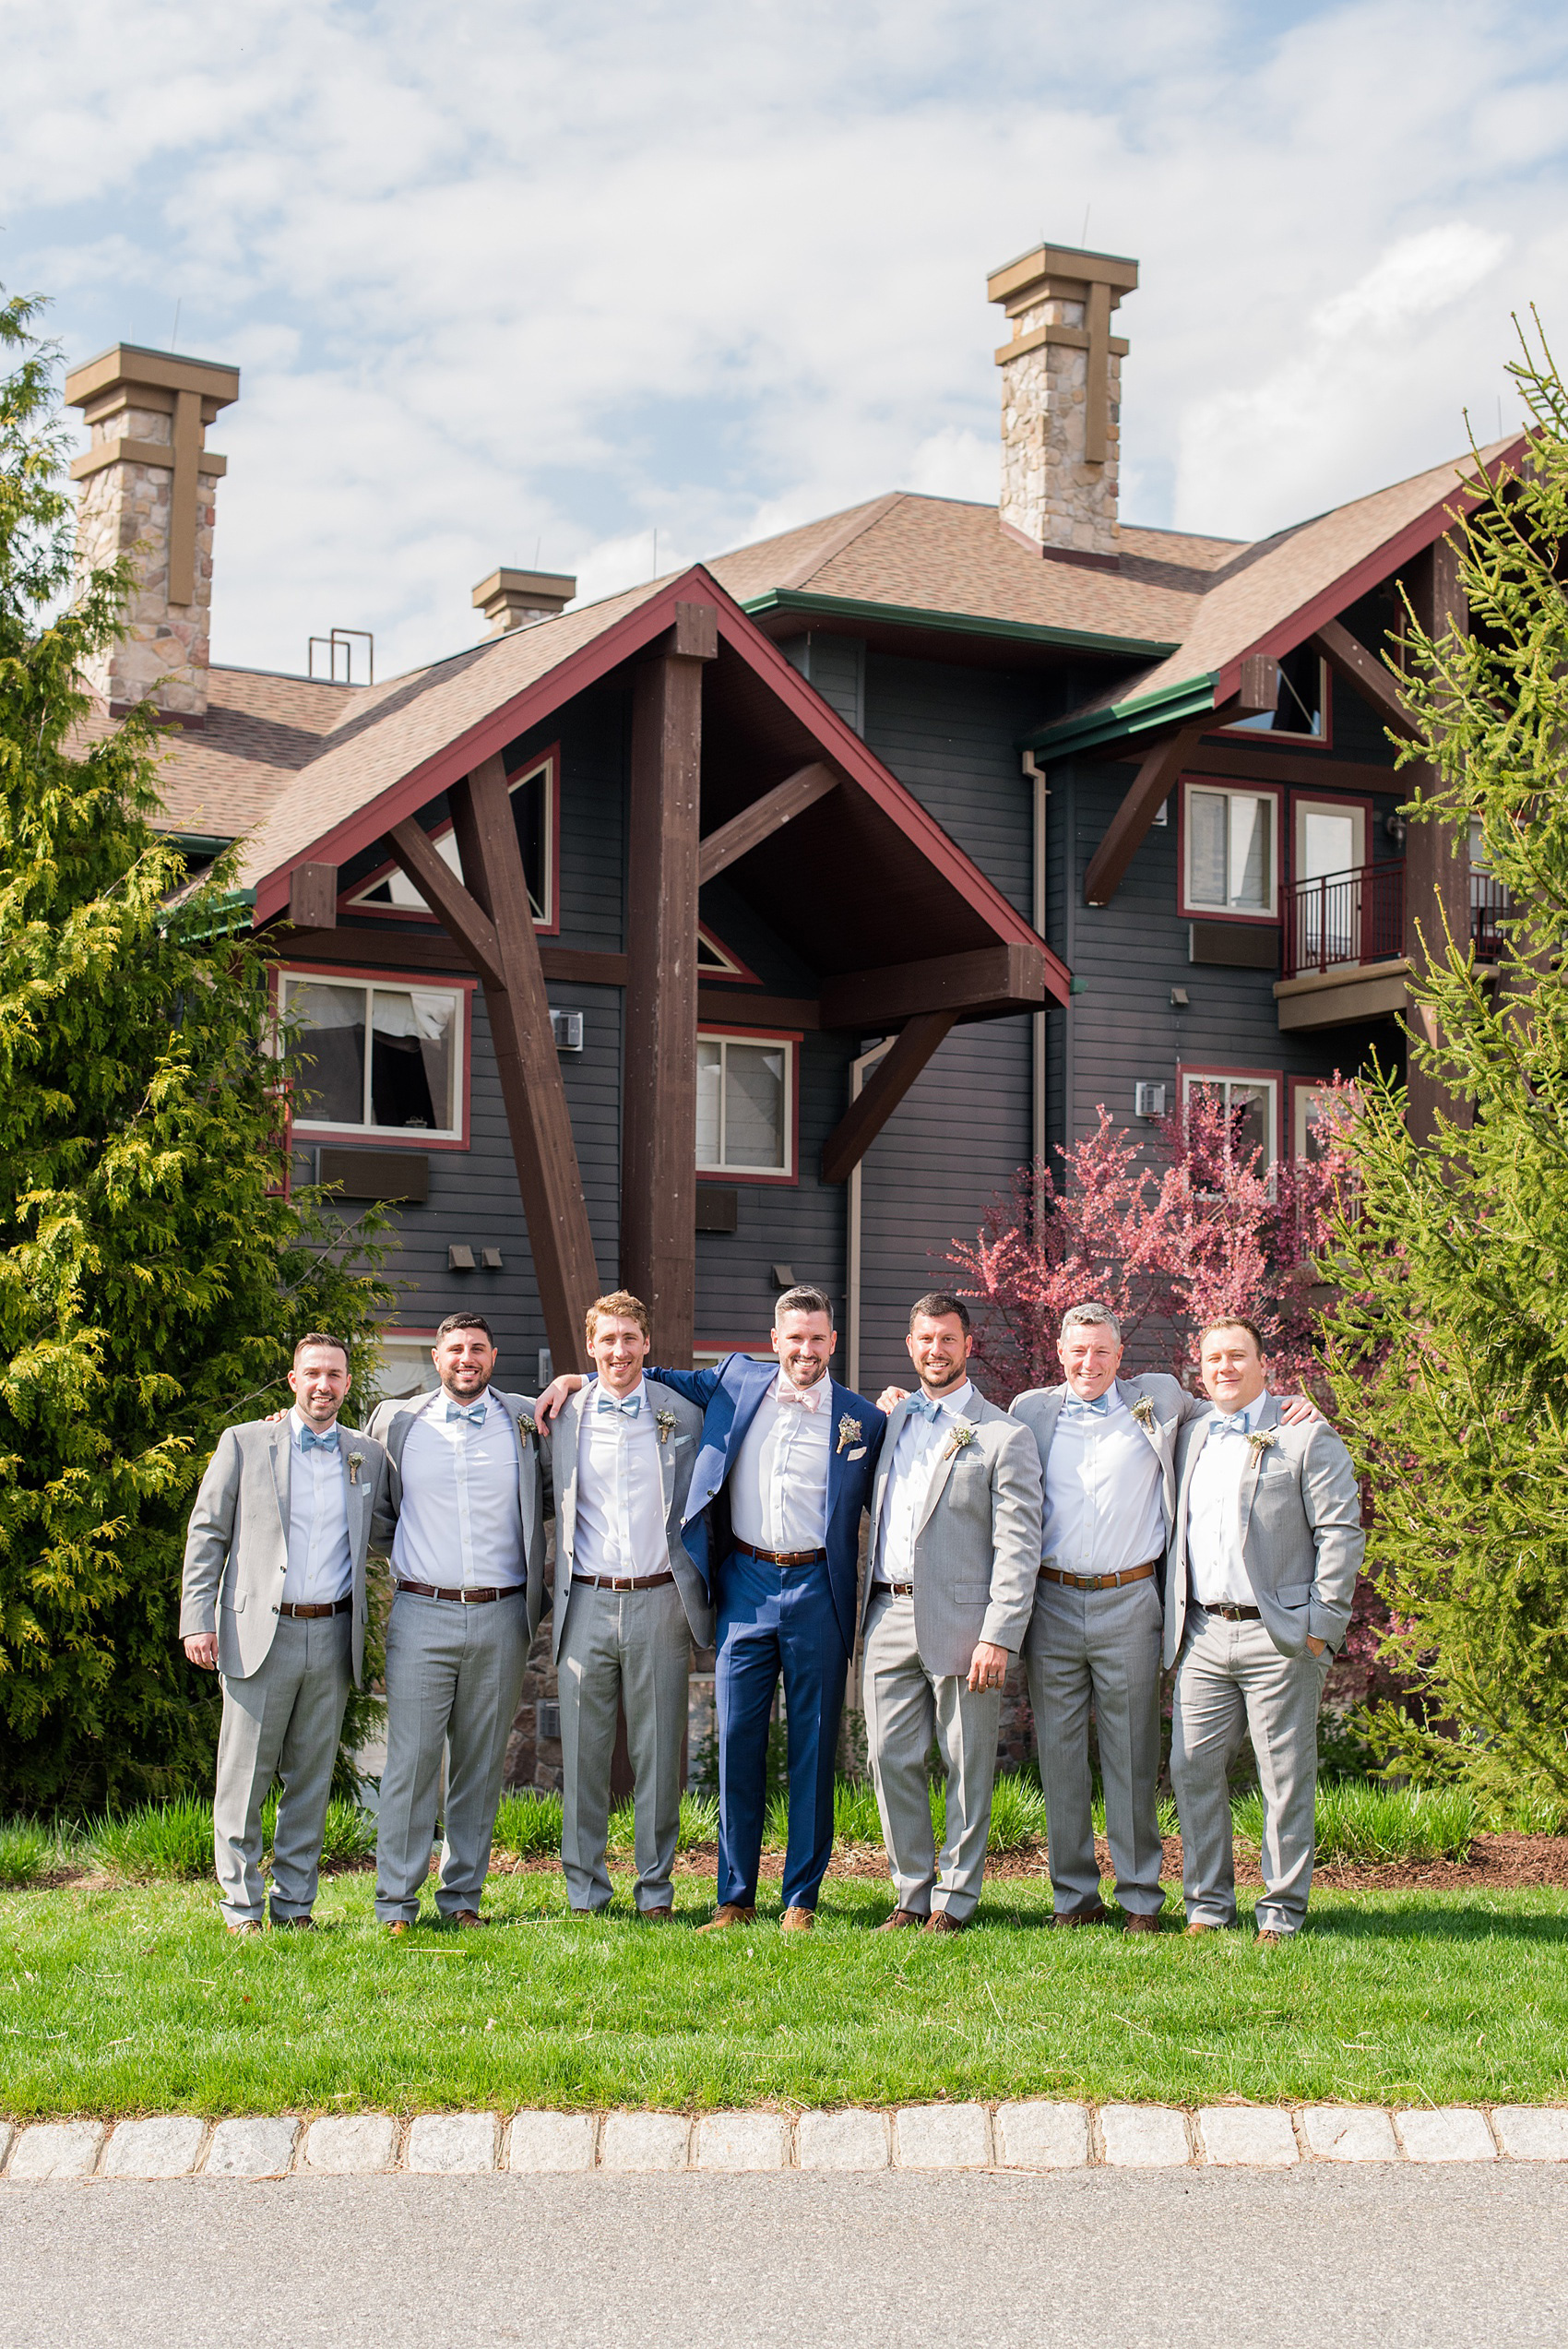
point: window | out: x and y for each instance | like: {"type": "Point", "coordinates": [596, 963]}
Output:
{"type": "Point", "coordinates": [1300, 714]}
{"type": "Point", "coordinates": [1230, 857]}
{"type": "Point", "coordinates": [715, 959]}
{"type": "Point", "coordinates": [1251, 1097]}
{"type": "Point", "coordinates": [375, 1055]}
{"type": "Point", "coordinates": [746, 1105]}
{"type": "Point", "coordinates": [404, 1369]}
{"type": "Point", "coordinates": [1306, 1107]}
{"type": "Point", "coordinates": [1330, 835]}
{"type": "Point", "coordinates": [389, 889]}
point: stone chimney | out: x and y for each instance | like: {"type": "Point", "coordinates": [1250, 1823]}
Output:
{"type": "Point", "coordinates": [1060, 400]}
{"type": "Point", "coordinates": [516, 599]}
{"type": "Point", "coordinates": [148, 485]}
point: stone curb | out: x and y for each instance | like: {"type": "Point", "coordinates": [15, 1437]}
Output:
{"type": "Point", "coordinates": [1034, 2135]}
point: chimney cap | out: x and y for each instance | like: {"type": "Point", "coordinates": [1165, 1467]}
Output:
{"type": "Point", "coordinates": [1113, 270]}
{"type": "Point", "coordinates": [508, 598]}
{"type": "Point", "coordinates": [132, 362]}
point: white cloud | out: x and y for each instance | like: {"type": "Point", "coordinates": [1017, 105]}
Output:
{"type": "Point", "coordinates": [508, 279]}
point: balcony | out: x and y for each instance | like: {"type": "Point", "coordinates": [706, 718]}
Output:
{"type": "Point", "coordinates": [1344, 945]}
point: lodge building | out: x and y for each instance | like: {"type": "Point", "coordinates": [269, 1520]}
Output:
{"type": "Point", "coordinates": [756, 924]}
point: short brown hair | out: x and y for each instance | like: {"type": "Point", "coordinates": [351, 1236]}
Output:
{"type": "Point", "coordinates": [318, 1338]}
{"type": "Point", "coordinates": [463, 1321]}
{"type": "Point", "coordinates": [801, 1298]}
{"type": "Point", "coordinates": [937, 1304]}
{"type": "Point", "coordinates": [619, 1302]}
{"type": "Point", "coordinates": [1234, 1321]}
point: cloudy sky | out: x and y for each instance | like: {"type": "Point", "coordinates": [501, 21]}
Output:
{"type": "Point", "coordinates": [527, 283]}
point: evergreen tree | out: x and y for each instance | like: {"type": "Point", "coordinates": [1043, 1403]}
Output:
{"type": "Point", "coordinates": [1449, 1355]}
{"type": "Point", "coordinates": [153, 1273]}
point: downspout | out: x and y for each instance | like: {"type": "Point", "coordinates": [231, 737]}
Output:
{"type": "Point", "coordinates": [859, 1071]}
{"type": "Point", "coordinates": [1035, 773]}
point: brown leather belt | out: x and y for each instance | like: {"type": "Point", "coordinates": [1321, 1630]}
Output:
{"type": "Point", "coordinates": [899, 1590]}
{"type": "Point", "coordinates": [460, 1598]}
{"type": "Point", "coordinates": [1101, 1581]}
{"type": "Point", "coordinates": [782, 1557]}
{"type": "Point", "coordinates": [1233, 1615]}
{"type": "Point", "coordinates": [315, 1615]}
{"type": "Point", "coordinates": [623, 1581]}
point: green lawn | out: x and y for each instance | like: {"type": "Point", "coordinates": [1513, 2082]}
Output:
{"type": "Point", "coordinates": [133, 1999]}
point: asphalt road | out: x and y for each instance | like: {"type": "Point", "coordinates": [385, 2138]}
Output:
{"type": "Point", "coordinates": [1372, 2259]}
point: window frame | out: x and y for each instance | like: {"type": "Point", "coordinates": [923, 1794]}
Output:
{"type": "Point", "coordinates": [423, 1339]}
{"type": "Point", "coordinates": [1190, 1072]}
{"type": "Point", "coordinates": [1339, 804]}
{"type": "Point", "coordinates": [1186, 909]}
{"type": "Point", "coordinates": [731, 971]}
{"type": "Point", "coordinates": [427, 982]}
{"type": "Point", "coordinates": [350, 902]}
{"type": "Point", "coordinates": [1237, 731]}
{"type": "Point", "coordinates": [791, 1038]}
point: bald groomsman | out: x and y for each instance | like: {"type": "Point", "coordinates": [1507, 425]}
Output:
{"type": "Point", "coordinates": [955, 1551]}
{"type": "Point", "coordinates": [1265, 1551]}
{"type": "Point", "coordinates": [274, 1600]}
{"type": "Point", "coordinates": [629, 1601]}
{"type": "Point", "coordinates": [468, 1574]}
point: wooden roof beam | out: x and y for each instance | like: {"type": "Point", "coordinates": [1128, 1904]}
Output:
{"type": "Point", "coordinates": [991, 978]}
{"type": "Point", "coordinates": [762, 819]}
{"type": "Point", "coordinates": [463, 918]}
{"type": "Point", "coordinates": [890, 1080]}
{"type": "Point", "coordinates": [1258, 690]}
{"type": "Point", "coordinates": [1365, 675]}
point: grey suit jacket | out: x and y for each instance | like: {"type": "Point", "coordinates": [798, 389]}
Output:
{"type": "Point", "coordinates": [237, 1548]}
{"type": "Point", "coordinates": [392, 1422]}
{"type": "Point", "coordinates": [1041, 1407]}
{"type": "Point", "coordinates": [1301, 1529]}
{"type": "Point", "coordinates": [977, 1545]}
{"type": "Point", "coordinates": [678, 1451]}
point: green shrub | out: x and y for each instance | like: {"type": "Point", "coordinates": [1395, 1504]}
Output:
{"type": "Point", "coordinates": [349, 1837]}
{"type": "Point", "coordinates": [1018, 1814]}
{"type": "Point", "coordinates": [25, 1849]}
{"type": "Point", "coordinates": [157, 1841]}
{"type": "Point", "coordinates": [529, 1826]}
{"type": "Point", "coordinates": [699, 1820]}
{"type": "Point", "coordinates": [1365, 1824]}
{"type": "Point", "coordinates": [855, 1815]}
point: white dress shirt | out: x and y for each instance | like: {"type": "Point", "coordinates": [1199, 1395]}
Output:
{"type": "Point", "coordinates": [1218, 1572]}
{"type": "Point", "coordinates": [916, 1458]}
{"type": "Point", "coordinates": [1104, 1490]}
{"type": "Point", "coordinates": [619, 1528]}
{"type": "Point", "coordinates": [320, 1570]}
{"type": "Point", "coordinates": [461, 1521]}
{"type": "Point", "coordinates": [778, 1484]}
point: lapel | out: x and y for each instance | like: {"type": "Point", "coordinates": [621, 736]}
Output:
{"type": "Point", "coordinates": [1148, 1428]}
{"type": "Point", "coordinates": [1051, 1412]}
{"type": "Point", "coordinates": [355, 1496]}
{"type": "Point", "coordinates": [569, 1429]}
{"type": "Point", "coordinates": [896, 1418]}
{"type": "Point", "coordinates": [280, 1448]}
{"type": "Point", "coordinates": [747, 1404]}
{"type": "Point", "coordinates": [666, 1451]}
{"type": "Point", "coordinates": [1268, 1416]}
{"type": "Point", "coordinates": [1200, 1437]}
{"type": "Point", "coordinates": [528, 1467]}
{"type": "Point", "coordinates": [973, 1412]}
{"type": "Point", "coordinates": [842, 1402]}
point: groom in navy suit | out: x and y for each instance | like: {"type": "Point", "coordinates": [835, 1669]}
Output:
{"type": "Point", "coordinates": [773, 1520]}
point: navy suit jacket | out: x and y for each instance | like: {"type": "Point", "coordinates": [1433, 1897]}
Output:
{"type": "Point", "coordinates": [728, 1398]}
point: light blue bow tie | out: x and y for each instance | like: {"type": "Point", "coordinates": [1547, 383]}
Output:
{"type": "Point", "coordinates": [925, 1407]}
{"type": "Point", "coordinates": [1233, 1423]}
{"type": "Point", "coordinates": [311, 1442]}
{"type": "Point", "coordinates": [1076, 1407]}
{"type": "Point", "coordinates": [474, 1412]}
{"type": "Point", "coordinates": [628, 1409]}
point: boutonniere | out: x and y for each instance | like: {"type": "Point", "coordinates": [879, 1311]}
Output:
{"type": "Point", "coordinates": [1142, 1411]}
{"type": "Point", "coordinates": [963, 1435]}
{"type": "Point", "coordinates": [356, 1461]}
{"type": "Point", "coordinates": [525, 1424]}
{"type": "Point", "coordinates": [1263, 1439]}
{"type": "Point", "coordinates": [665, 1422]}
{"type": "Point", "coordinates": [848, 1432]}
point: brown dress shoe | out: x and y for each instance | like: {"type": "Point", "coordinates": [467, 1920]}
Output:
{"type": "Point", "coordinates": [1099, 1914]}
{"type": "Point", "coordinates": [1269, 1940]}
{"type": "Point", "coordinates": [396, 1928]}
{"type": "Point", "coordinates": [798, 1920]}
{"type": "Point", "coordinates": [657, 1916]}
{"type": "Point", "coordinates": [1141, 1923]}
{"type": "Point", "coordinates": [248, 1927]}
{"type": "Point", "coordinates": [899, 1919]}
{"type": "Point", "coordinates": [467, 1919]}
{"type": "Point", "coordinates": [1194, 1930]}
{"type": "Point", "coordinates": [293, 1925]}
{"type": "Point", "coordinates": [941, 1920]}
{"type": "Point", "coordinates": [729, 1912]}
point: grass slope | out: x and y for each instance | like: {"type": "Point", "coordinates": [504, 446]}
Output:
{"type": "Point", "coordinates": [128, 2001]}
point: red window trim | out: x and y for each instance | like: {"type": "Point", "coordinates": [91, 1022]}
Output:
{"type": "Point", "coordinates": [1232, 784]}
{"type": "Point", "coordinates": [389, 1137]}
{"type": "Point", "coordinates": [739, 975]}
{"type": "Point", "coordinates": [1327, 799]}
{"type": "Point", "coordinates": [1200, 1072]}
{"type": "Point", "coordinates": [794, 1037]}
{"type": "Point", "coordinates": [347, 898]}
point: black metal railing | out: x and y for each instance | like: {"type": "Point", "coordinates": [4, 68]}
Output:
{"type": "Point", "coordinates": [1358, 917]}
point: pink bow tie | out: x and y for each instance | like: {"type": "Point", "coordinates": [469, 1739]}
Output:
{"type": "Point", "coordinates": [809, 1397]}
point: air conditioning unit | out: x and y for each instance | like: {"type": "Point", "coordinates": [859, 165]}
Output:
{"type": "Point", "coordinates": [1148, 1101]}
{"type": "Point", "coordinates": [566, 1028]}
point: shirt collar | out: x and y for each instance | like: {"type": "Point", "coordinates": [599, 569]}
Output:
{"type": "Point", "coordinates": [956, 1402]}
{"type": "Point", "coordinates": [298, 1423]}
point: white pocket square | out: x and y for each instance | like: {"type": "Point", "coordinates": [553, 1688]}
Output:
{"type": "Point", "coordinates": [858, 1453]}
